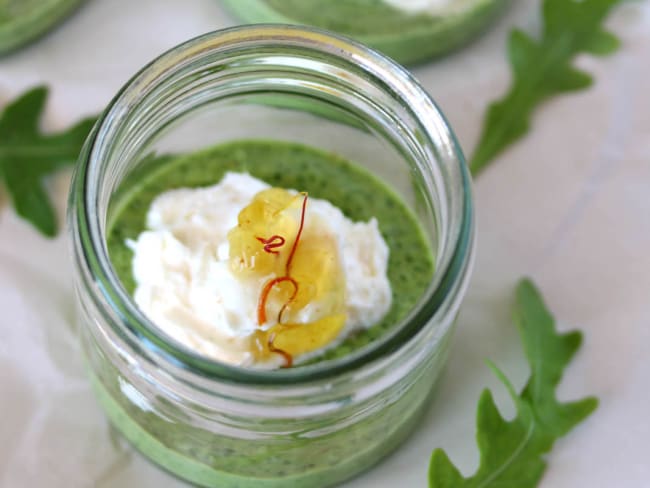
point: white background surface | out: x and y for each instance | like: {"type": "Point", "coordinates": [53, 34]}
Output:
{"type": "Point", "coordinates": [569, 206]}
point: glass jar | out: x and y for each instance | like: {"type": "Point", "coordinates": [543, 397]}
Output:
{"type": "Point", "coordinates": [223, 426]}
{"type": "Point", "coordinates": [410, 31]}
{"type": "Point", "coordinates": [22, 21]}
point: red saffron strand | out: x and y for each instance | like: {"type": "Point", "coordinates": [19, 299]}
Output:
{"type": "Point", "coordinates": [284, 307]}
{"type": "Point", "coordinates": [261, 305]}
{"type": "Point", "coordinates": [295, 243]}
{"type": "Point", "coordinates": [272, 243]}
{"type": "Point", "coordinates": [288, 358]}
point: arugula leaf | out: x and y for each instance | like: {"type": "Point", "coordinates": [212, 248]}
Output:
{"type": "Point", "coordinates": [512, 452]}
{"type": "Point", "coordinates": [542, 69]}
{"type": "Point", "coordinates": [27, 156]}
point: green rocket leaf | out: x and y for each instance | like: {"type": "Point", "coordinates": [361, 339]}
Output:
{"type": "Point", "coordinates": [512, 452]}
{"type": "Point", "coordinates": [27, 156]}
{"type": "Point", "coordinates": [542, 69]}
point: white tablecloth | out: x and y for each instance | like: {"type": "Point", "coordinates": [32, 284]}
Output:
{"type": "Point", "coordinates": [569, 206]}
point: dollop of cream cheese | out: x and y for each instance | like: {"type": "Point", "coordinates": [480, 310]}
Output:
{"type": "Point", "coordinates": [185, 285]}
{"type": "Point", "coordinates": [432, 7]}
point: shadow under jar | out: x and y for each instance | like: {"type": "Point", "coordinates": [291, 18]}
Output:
{"type": "Point", "coordinates": [312, 425]}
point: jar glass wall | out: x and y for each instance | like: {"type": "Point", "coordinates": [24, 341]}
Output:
{"type": "Point", "coordinates": [224, 426]}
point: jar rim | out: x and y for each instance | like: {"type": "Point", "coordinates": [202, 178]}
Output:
{"type": "Point", "coordinates": [139, 331]}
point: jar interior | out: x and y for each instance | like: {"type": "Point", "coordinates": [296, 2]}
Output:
{"type": "Point", "coordinates": [288, 118]}
{"type": "Point", "coordinates": [284, 97]}
{"type": "Point", "coordinates": [294, 95]}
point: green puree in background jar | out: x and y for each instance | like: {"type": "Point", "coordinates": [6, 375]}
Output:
{"type": "Point", "coordinates": [21, 21]}
{"type": "Point", "coordinates": [409, 35]}
{"type": "Point", "coordinates": [356, 192]}
{"type": "Point", "coordinates": [360, 196]}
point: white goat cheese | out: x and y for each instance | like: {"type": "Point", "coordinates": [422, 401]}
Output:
{"type": "Point", "coordinates": [185, 285]}
{"type": "Point", "coordinates": [432, 7]}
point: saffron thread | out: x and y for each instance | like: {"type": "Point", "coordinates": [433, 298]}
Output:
{"type": "Point", "coordinates": [288, 358]}
{"type": "Point", "coordinates": [269, 246]}
{"type": "Point", "coordinates": [295, 243]}
{"type": "Point", "coordinates": [261, 306]}
{"type": "Point", "coordinates": [272, 243]}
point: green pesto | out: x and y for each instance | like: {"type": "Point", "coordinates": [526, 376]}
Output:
{"type": "Point", "coordinates": [295, 460]}
{"type": "Point", "coordinates": [355, 191]}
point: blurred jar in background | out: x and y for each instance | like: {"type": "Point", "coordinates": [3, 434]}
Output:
{"type": "Point", "coordinates": [409, 31]}
{"type": "Point", "coordinates": [22, 21]}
